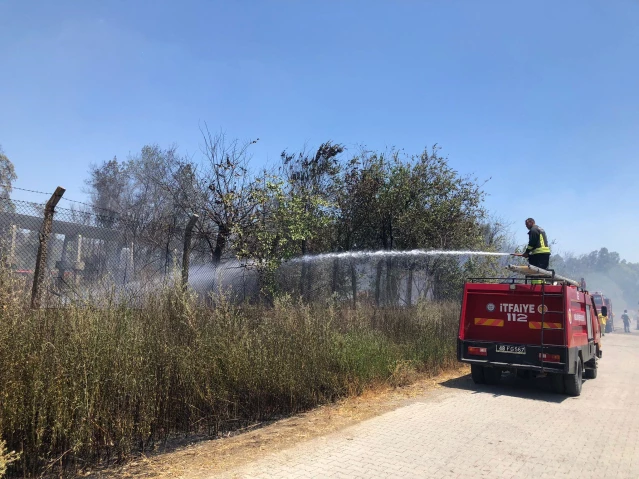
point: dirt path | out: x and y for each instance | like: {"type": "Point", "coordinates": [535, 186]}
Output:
{"type": "Point", "coordinates": [212, 457]}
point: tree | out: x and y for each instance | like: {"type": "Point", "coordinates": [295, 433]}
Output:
{"type": "Point", "coordinates": [130, 197]}
{"type": "Point", "coordinates": [107, 187]}
{"type": "Point", "coordinates": [7, 177]}
{"type": "Point", "coordinates": [150, 197]}
{"type": "Point", "coordinates": [603, 271]}
{"type": "Point", "coordinates": [275, 228]}
{"type": "Point", "coordinates": [217, 188]}
{"type": "Point", "coordinates": [314, 203]}
{"type": "Point", "coordinates": [226, 176]}
{"type": "Point", "coordinates": [311, 179]}
{"type": "Point", "coordinates": [392, 201]}
{"type": "Point", "coordinates": [446, 212]}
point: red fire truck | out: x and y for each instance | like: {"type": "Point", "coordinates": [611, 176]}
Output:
{"type": "Point", "coordinates": [610, 324]}
{"type": "Point", "coordinates": [535, 325]}
{"type": "Point", "coordinates": [601, 300]}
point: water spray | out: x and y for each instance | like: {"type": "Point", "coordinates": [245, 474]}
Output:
{"type": "Point", "coordinates": [415, 253]}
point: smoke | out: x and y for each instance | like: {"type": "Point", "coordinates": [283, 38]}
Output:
{"type": "Point", "coordinates": [230, 277]}
{"type": "Point", "coordinates": [610, 287]}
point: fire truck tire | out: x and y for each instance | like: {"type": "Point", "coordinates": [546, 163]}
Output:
{"type": "Point", "coordinates": [492, 376]}
{"type": "Point", "coordinates": [477, 373]}
{"type": "Point", "coordinates": [557, 382]}
{"type": "Point", "coordinates": [572, 382]}
{"type": "Point", "coordinates": [591, 373]}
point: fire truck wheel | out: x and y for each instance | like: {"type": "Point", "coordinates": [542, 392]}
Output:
{"type": "Point", "coordinates": [492, 375]}
{"type": "Point", "coordinates": [591, 373]}
{"type": "Point", "coordinates": [477, 373]}
{"type": "Point", "coordinates": [572, 382]}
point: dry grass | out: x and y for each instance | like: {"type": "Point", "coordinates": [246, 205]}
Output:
{"type": "Point", "coordinates": [199, 459]}
{"type": "Point", "coordinates": [86, 386]}
{"type": "Point", "coordinates": [6, 457]}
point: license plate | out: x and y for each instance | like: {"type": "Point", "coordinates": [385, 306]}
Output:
{"type": "Point", "coordinates": [505, 348]}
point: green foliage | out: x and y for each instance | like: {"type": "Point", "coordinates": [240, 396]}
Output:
{"type": "Point", "coordinates": [312, 204]}
{"type": "Point", "coordinates": [7, 177]}
{"type": "Point", "coordinates": [374, 201]}
{"type": "Point", "coordinates": [276, 227]}
{"type": "Point", "coordinates": [7, 174]}
{"type": "Point", "coordinates": [392, 201]}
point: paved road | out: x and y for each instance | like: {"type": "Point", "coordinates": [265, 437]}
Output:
{"type": "Point", "coordinates": [517, 430]}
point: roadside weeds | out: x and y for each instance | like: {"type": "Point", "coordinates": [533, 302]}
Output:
{"type": "Point", "coordinates": [208, 457]}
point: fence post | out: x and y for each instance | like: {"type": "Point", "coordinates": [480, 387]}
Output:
{"type": "Point", "coordinates": [41, 260]}
{"type": "Point", "coordinates": [78, 265]}
{"type": "Point", "coordinates": [186, 253]}
{"type": "Point", "coordinates": [12, 250]}
{"type": "Point", "coordinates": [62, 264]}
{"type": "Point", "coordinates": [128, 265]}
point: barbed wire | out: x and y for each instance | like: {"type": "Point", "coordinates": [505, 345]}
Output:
{"type": "Point", "coordinates": [64, 198]}
{"type": "Point", "coordinates": [111, 213]}
{"type": "Point", "coordinates": [22, 202]}
{"type": "Point", "coordinates": [88, 218]}
{"type": "Point", "coordinates": [25, 189]}
{"type": "Point", "coordinates": [90, 205]}
{"type": "Point", "coordinates": [75, 215]}
{"type": "Point", "coordinates": [123, 221]}
{"type": "Point", "coordinates": [110, 219]}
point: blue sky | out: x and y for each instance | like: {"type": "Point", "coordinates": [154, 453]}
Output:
{"type": "Point", "coordinates": [542, 97]}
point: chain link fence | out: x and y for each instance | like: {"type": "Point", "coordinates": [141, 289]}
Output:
{"type": "Point", "coordinates": [100, 257]}
{"type": "Point", "coordinates": [92, 258]}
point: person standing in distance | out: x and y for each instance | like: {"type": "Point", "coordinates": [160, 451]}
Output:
{"type": "Point", "coordinates": [626, 321]}
{"type": "Point", "coordinates": [538, 249]}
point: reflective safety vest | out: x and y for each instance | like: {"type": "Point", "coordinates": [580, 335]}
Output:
{"type": "Point", "coordinates": [603, 319]}
{"type": "Point", "coordinates": [538, 241]}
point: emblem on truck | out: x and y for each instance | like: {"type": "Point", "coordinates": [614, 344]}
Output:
{"type": "Point", "coordinates": [544, 309]}
{"type": "Point", "coordinates": [490, 307]}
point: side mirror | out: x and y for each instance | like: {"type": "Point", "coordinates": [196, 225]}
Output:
{"type": "Point", "coordinates": [604, 310]}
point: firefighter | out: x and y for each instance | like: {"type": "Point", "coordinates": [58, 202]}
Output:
{"type": "Point", "coordinates": [602, 322]}
{"type": "Point", "coordinates": [538, 249]}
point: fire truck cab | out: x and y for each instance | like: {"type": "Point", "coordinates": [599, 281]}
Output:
{"type": "Point", "coordinates": [539, 324]}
